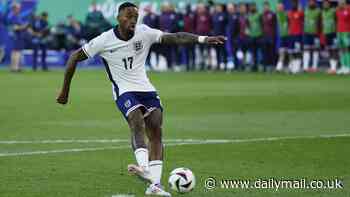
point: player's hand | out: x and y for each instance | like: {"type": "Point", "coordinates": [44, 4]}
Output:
{"type": "Point", "coordinates": [62, 98]}
{"type": "Point", "coordinates": [216, 40]}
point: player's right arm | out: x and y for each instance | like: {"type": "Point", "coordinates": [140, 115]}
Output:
{"type": "Point", "coordinates": [77, 56]}
{"type": "Point", "coordinates": [94, 47]}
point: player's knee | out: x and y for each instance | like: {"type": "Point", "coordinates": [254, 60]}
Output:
{"type": "Point", "coordinates": [154, 121]}
{"type": "Point", "coordinates": [136, 121]}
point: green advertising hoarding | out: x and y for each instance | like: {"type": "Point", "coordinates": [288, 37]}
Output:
{"type": "Point", "coordinates": [60, 9]}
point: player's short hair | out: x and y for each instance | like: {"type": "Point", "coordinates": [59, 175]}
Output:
{"type": "Point", "coordinates": [126, 5]}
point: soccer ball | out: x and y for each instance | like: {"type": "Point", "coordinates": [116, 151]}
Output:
{"type": "Point", "coordinates": [182, 180]}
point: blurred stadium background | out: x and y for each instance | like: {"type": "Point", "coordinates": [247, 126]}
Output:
{"type": "Point", "coordinates": [73, 23]}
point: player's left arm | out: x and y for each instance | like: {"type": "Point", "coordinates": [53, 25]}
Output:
{"type": "Point", "coordinates": [182, 38]}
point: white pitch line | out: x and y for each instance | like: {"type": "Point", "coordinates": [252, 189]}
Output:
{"type": "Point", "coordinates": [177, 142]}
{"type": "Point", "coordinates": [64, 141]}
{"type": "Point", "coordinates": [206, 141]}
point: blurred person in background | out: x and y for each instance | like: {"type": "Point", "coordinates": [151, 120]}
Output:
{"type": "Point", "coordinates": [282, 20]}
{"type": "Point", "coordinates": [189, 19]}
{"type": "Point", "coordinates": [219, 21]}
{"type": "Point", "coordinates": [312, 24]}
{"type": "Point", "coordinates": [241, 42]}
{"type": "Point", "coordinates": [255, 33]}
{"type": "Point", "coordinates": [203, 28]}
{"type": "Point", "coordinates": [329, 29]}
{"type": "Point", "coordinates": [95, 22]}
{"type": "Point", "coordinates": [17, 29]}
{"type": "Point", "coordinates": [151, 19]}
{"type": "Point", "coordinates": [269, 30]}
{"type": "Point", "coordinates": [343, 36]}
{"type": "Point", "coordinates": [180, 51]}
{"type": "Point", "coordinates": [2, 31]}
{"type": "Point", "coordinates": [232, 32]}
{"type": "Point", "coordinates": [39, 30]}
{"type": "Point", "coordinates": [295, 32]}
{"type": "Point", "coordinates": [58, 36]}
{"type": "Point", "coordinates": [168, 23]}
{"type": "Point", "coordinates": [74, 34]}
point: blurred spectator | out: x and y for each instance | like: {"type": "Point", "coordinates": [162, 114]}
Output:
{"type": "Point", "coordinates": [232, 32]}
{"type": "Point", "coordinates": [17, 28]}
{"type": "Point", "coordinates": [269, 21]}
{"type": "Point", "coordinates": [241, 42]}
{"type": "Point", "coordinates": [329, 29]}
{"type": "Point", "coordinates": [190, 26]}
{"type": "Point", "coordinates": [295, 32]}
{"type": "Point", "coordinates": [58, 36]}
{"type": "Point", "coordinates": [282, 19]}
{"type": "Point", "coordinates": [95, 22]}
{"type": "Point", "coordinates": [203, 27]}
{"type": "Point", "coordinates": [152, 20]}
{"type": "Point", "coordinates": [219, 21]}
{"type": "Point", "coordinates": [255, 34]}
{"type": "Point", "coordinates": [168, 23]}
{"type": "Point", "coordinates": [2, 29]}
{"type": "Point", "coordinates": [39, 29]}
{"type": "Point", "coordinates": [74, 33]}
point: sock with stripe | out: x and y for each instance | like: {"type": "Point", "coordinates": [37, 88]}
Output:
{"type": "Point", "coordinates": [155, 168]}
{"type": "Point", "coordinates": [141, 155]}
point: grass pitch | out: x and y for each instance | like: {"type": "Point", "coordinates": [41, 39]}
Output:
{"type": "Point", "coordinates": [250, 107]}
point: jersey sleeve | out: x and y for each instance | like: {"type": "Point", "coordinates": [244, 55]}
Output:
{"type": "Point", "coordinates": [95, 46]}
{"type": "Point", "coordinates": [154, 35]}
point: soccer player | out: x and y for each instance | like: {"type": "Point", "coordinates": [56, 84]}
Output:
{"type": "Point", "coordinates": [295, 32]}
{"type": "Point", "coordinates": [203, 27]}
{"type": "Point", "coordinates": [17, 32]}
{"type": "Point", "coordinates": [124, 50]}
{"type": "Point", "coordinates": [255, 33]}
{"type": "Point", "coordinates": [343, 36]}
{"type": "Point", "coordinates": [328, 28]}
{"type": "Point", "coordinates": [39, 29]}
{"type": "Point", "coordinates": [232, 32]}
{"type": "Point", "coordinates": [240, 42]}
{"type": "Point", "coordinates": [282, 19]}
{"type": "Point", "coordinates": [219, 21]}
{"type": "Point", "coordinates": [312, 24]}
{"type": "Point", "coordinates": [269, 21]}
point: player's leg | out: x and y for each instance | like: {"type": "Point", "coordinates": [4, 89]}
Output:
{"type": "Point", "coordinates": [295, 54]}
{"type": "Point", "coordinates": [43, 56]}
{"type": "Point", "coordinates": [254, 47]}
{"type": "Point", "coordinates": [298, 53]}
{"type": "Point", "coordinates": [218, 57]}
{"type": "Point", "coordinates": [35, 56]}
{"type": "Point", "coordinates": [342, 51]}
{"type": "Point", "coordinates": [138, 130]}
{"type": "Point", "coordinates": [154, 134]}
{"type": "Point", "coordinates": [282, 53]}
{"type": "Point", "coordinates": [307, 51]}
{"type": "Point", "coordinates": [133, 110]}
{"type": "Point", "coordinates": [347, 53]}
{"type": "Point", "coordinates": [291, 53]}
{"type": "Point", "coordinates": [315, 52]}
{"type": "Point", "coordinates": [331, 49]}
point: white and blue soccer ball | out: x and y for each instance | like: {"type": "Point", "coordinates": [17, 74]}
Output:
{"type": "Point", "coordinates": [182, 180]}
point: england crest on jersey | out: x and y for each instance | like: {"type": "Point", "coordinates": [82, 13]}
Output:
{"type": "Point", "coordinates": [138, 46]}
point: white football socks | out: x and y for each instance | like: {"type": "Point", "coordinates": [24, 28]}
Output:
{"type": "Point", "coordinates": [280, 62]}
{"type": "Point", "coordinates": [333, 64]}
{"type": "Point", "coordinates": [298, 65]}
{"type": "Point", "coordinates": [141, 155]}
{"type": "Point", "coordinates": [315, 58]}
{"type": "Point", "coordinates": [306, 60]}
{"type": "Point", "coordinates": [155, 168]}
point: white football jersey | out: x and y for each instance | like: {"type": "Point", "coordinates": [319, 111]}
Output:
{"type": "Point", "coordinates": [125, 60]}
